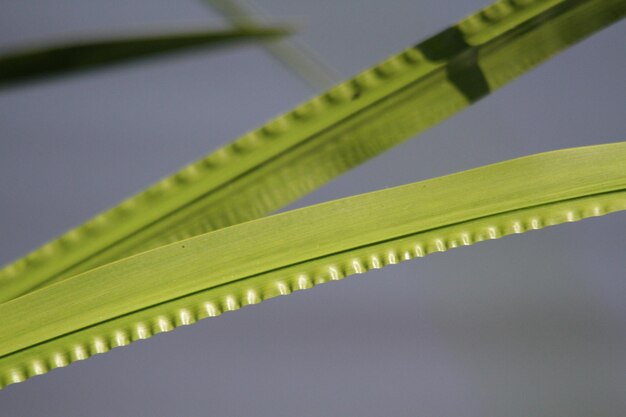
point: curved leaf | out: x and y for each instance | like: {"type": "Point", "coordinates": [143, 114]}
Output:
{"type": "Point", "coordinates": [244, 264]}
{"type": "Point", "coordinates": [303, 149]}
{"type": "Point", "coordinates": [45, 61]}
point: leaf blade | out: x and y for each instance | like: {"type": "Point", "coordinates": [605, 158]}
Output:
{"type": "Point", "coordinates": [226, 269]}
{"type": "Point", "coordinates": [307, 147]}
{"type": "Point", "coordinates": [37, 63]}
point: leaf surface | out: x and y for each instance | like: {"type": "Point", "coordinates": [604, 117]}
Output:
{"type": "Point", "coordinates": [223, 270]}
{"type": "Point", "coordinates": [301, 150]}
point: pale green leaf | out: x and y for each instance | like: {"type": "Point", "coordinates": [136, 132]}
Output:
{"type": "Point", "coordinates": [247, 263]}
{"type": "Point", "coordinates": [303, 149]}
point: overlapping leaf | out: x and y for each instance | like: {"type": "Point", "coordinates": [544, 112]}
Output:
{"type": "Point", "coordinates": [301, 150]}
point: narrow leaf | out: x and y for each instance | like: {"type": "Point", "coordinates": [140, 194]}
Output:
{"type": "Point", "coordinates": [244, 264]}
{"type": "Point", "coordinates": [46, 61]}
{"type": "Point", "coordinates": [305, 148]}
{"type": "Point", "coordinates": [294, 55]}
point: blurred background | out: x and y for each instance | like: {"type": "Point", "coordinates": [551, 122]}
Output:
{"type": "Point", "coordinates": [527, 325]}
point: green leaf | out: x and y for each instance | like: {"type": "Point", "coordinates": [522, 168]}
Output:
{"type": "Point", "coordinates": [305, 148]}
{"type": "Point", "coordinates": [41, 62]}
{"type": "Point", "coordinates": [244, 264]}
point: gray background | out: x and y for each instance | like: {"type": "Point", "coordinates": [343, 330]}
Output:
{"type": "Point", "coordinates": [527, 325]}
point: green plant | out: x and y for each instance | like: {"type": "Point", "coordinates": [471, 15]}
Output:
{"type": "Point", "coordinates": [383, 100]}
